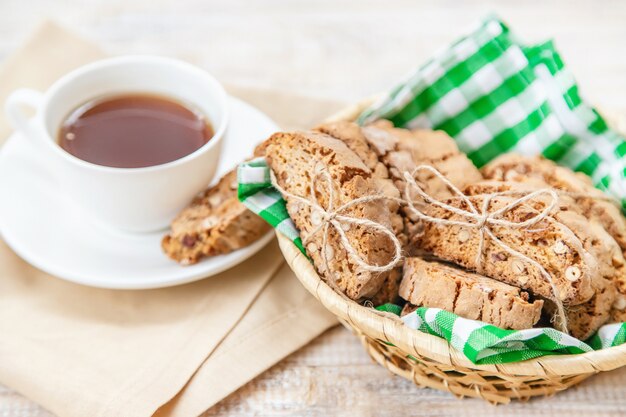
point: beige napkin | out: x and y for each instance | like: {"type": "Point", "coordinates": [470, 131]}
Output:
{"type": "Point", "coordinates": [81, 351]}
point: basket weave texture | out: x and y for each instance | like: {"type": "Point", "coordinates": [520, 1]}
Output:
{"type": "Point", "coordinates": [430, 361]}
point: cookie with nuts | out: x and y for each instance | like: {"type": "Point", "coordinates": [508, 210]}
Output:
{"type": "Point", "coordinates": [571, 271]}
{"type": "Point", "coordinates": [586, 319]}
{"type": "Point", "coordinates": [353, 136]}
{"type": "Point", "coordinates": [591, 234]}
{"type": "Point", "coordinates": [303, 162]}
{"type": "Point", "coordinates": [577, 186]}
{"type": "Point", "coordinates": [402, 151]}
{"type": "Point", "coordinates": [594, 203]}
{"type": "Point", "coordinates": [583, 319]}
{"type": "Point", "coordinates": [469, 295]}
{"type": "Point", "coordinates": [214, 223]}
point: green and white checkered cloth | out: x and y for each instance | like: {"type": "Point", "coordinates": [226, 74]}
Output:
{"type": "Point", "coordinates": [484, 343]}
{"type": "Point", "coordinates": [255, 191]}
{"type": "Point", "coordinates": [492, 95]}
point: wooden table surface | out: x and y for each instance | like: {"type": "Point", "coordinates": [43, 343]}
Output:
{"type": "Point", "coordinates": [343, 50]}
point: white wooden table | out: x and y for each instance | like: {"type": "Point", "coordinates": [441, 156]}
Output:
{"type": "Point", "coordinates": [344, 50]}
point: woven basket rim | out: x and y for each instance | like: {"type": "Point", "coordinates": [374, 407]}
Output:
{"type": "Point", "coordinates": [422, 344]}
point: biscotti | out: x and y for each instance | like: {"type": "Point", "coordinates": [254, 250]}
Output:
{"type": "Point", "coordinates": [388, 292]}
{"type": "Point", "coordinates": [572, 271]}
{"type": "Point", "coordinates": [297, 159]}
{"type": "Point", "coordinates": [214, 223]}
{"type": "Point", "coordinates": [585, 319]}
{"type": "Point", "coordinates": [401, 151]}
{"type": "Point", "coordinates": [352, 135]}
{"type": "Point", "coordinates": [591, 235]}
{"type": "Point", "coordinates": [577, 186]}
{"type": "Point", "coordinates": [433, 284]}
{"type": "Point", "coordinates": [513, 167]}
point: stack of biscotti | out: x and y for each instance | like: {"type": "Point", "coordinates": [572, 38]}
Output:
{"type": "Point", "coordinates": [396, 151]}
{"type": "Point", "coordinates": [400, 151]}
{"type": "Point", "coordinates": [573, 247]}
{"type": "Point", "coordinates": [388, 153]}
{"type": "Point", "coordinates": [598, 246]}
{"type": "Point", "coordinates": [305, 160]}
{"type": "Point", "coordinates": [215, 223]}
{"type": "Point", "coordinates": [604, 215]}
{"type": "Point", "coordinates": [579, 243]}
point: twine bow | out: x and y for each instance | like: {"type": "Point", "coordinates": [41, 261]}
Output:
{"type": "Point", "coordinates": [482, 220]}
{"type": "Point", "coordinates": [327, 217]}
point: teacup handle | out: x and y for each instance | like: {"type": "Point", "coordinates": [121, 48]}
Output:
{"type": "Point", "coordinates": [14, 108]}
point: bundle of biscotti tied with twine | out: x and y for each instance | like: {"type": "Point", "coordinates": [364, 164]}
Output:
{"type": "Point", "coordinates": [500, 282]}
{"type": "Point", "coordinates": [391, 215]}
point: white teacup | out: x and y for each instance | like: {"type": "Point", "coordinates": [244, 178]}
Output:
{"type": "Point", "coordinates": [129, 199]}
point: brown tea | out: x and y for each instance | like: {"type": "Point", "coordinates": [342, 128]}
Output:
{"type": "Point", "coordinates": [133, 131]}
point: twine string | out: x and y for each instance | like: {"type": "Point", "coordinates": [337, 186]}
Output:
{"type": "Point", "coordinates": [336, 218]}
{"type": "Point", "coordinates": [482, 220]}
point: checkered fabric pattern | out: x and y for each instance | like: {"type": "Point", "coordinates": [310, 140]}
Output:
{"type": "Point", "coordinates": [483, 343]}
{"type": "Point", "coordinates": [492, 95]}
{"type": "Point", "coordinates": [257, 194]}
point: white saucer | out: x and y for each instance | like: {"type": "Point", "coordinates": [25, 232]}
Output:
{"type": "Point", "coordinates": [49, 232]}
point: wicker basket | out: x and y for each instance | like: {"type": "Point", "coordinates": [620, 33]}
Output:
{"type": "Point", "coordinates": [430, 361]}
